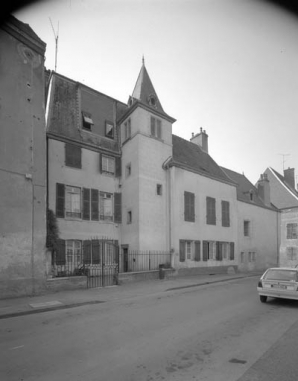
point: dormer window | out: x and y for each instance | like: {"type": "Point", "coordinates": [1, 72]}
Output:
{"type": "Point", "coordinates": [109, 130]}
{"type": "Point", "coordinates": [152, 101]}
{"type": "Point", "coordinates": [87, 121]}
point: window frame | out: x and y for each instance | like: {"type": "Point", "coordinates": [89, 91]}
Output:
{"type": "Point", "coordinates": [189, 206]}
{"type": "Point", "coordinates": [246, 228]}
{"type": "Point", "coordinates": [210, 210]}
{"type": "Point", "coordinates": [155, 127]}
{"type": "Point", "coordinates": [292, 230]}
{"type": "Point", "coordinates": [87, 121]}
{"type": "Point", "coordinates": [159, 189]}
{"type": "Point", "coordinates": [225, 213]}
{"type": "Point", "coordinates": [103, 216]}
{"type": "Point", "coordinates": [107, 171]}
{"type": "Point", "coordinates": [70, 214]}
{"type": "Point", "coordinates": [127, 129]}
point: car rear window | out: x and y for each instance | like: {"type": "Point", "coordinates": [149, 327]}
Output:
{"type": "Point", "coordinates": [281, 275]}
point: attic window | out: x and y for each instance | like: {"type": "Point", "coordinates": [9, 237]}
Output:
{"type": "Point", "coordinates": [152, 100]}
{"type": "Point", "coordinates": [87, 121]}
{"type": "Point", "coordinates": [109, 130]}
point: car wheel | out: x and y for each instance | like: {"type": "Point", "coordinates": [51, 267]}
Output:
{"type": "Point", "coordinates": [263, 298]}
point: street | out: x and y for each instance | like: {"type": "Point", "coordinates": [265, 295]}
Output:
{"type": "Point", "coordinates": [216, 332]}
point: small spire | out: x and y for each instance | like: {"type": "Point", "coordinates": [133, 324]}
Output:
{"type": "Point", "coordinates": [143, 60]}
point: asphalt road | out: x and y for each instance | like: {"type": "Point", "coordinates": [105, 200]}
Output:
{"type": "Point", "coordinates": [218, 332]}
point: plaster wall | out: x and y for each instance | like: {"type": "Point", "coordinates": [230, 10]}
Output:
{"type": "Point", "coordinates": [202, 187]}
{"type": "Point", "coordinates": [263, 239]}
{"type": "Point", "coordinates": [86, 177]}
{"type": "Point", "coordinates": [23, 168]}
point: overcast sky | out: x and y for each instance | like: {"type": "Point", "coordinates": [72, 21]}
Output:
{"type": "Point", "coordinates": [229, 66]}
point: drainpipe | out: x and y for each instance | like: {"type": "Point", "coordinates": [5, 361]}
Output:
{"type": "Point", "coordinates": [166, 167]}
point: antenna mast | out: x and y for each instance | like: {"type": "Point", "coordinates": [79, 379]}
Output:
{"type": "Point", "coordinates": [283, 159]}
{"type": "Point", "coordinates": [56, 35]}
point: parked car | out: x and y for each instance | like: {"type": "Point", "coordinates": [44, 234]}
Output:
{"type": "Point", "coordinates": [279, 282]}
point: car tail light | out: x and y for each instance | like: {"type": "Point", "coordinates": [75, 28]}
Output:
{"type": "Point", "coordinates": [260, 283]}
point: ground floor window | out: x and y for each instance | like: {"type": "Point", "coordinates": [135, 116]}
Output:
{"type": "Point", "coordinates": [190, 250]}
{"type": "Point", "coordinates": [212, 250]}
{"type": "Point", "coordinates": [292, 253]}
{"type": "Point", "coordinates": [73, 251]}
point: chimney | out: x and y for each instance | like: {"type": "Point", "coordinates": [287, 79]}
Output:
{"type": "Point", "coordinates": [289, 175]}
{"type": "Point", "coordinates": [200, 139]}
{"type": "Point", "coordinates": [263, 186]}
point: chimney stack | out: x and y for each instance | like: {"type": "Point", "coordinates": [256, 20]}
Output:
{"type": "Point", "coordinates": [263, 187]}
{"type": "Point", "coordinates": [289, 176]}
{"type": "Point", "coordinates": [200, 139]}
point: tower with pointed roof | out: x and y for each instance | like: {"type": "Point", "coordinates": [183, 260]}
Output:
{"type": "Point", "coordinates": [146, 142]}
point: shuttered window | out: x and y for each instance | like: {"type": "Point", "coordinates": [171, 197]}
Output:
{"type": "Point", "coordinates": [219, 251]}
{"type": "Point", "coordinates": [87, 252]}
{"type": "Point", "coordinates": [73, 156]}
{"type": "Point", "coordinates": [189, 206]}
{"type": "Point", "coordinates": [225, 213]}
{"type": "Point", "coordinates": [60, 200]}
{"type": "Point", "coordinates": [155, 125]}
{"type": "Point", "coordinates": [232, 251]}
{"type": "Point", "coordinates": [205, 250]}
{"type": "Point", "coordinates": [211, 211]}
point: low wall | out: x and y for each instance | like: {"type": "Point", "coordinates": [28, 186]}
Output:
{"type": "Point", "coordinates": [206, 270]}
{"type": "Point", "coordinates": [144, 275]}
{"type": "Point", "coordinates": [62, 284]}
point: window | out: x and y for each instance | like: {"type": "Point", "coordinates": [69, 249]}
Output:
{"type": "Point", "coordinates": [225, 213]}
{"type": "Point", "coordinates": [292, 253]}
{"type": "Point", "coordinates": [242, 257]}
{"type": "Point", "coordinates": [110, 130]}
{"type": "Point", "coordinates": [251, 256]}
{"type": "Point", "coordinates": [246, 228]}
{"type": "Point", "coordinates": [159, 189]}
{"type": "Point", "coordinates": [292, 231]}
{"type": "Point", "coordinates": [87, 121]}
{"type": "Point", "coordinates": [73, 252]}
{"type": "Point", "coordinates": [72, 202]}
{"type": "Point", "coordinates": [190, 250]}
{"type": "Point", "coordinates": [108, 164]}
{"type": "Point", "coordinates": [73, 156]}
{"type": "Point", "coordinates": [127, 129]}
{"type": "Point", "coordinates": [215, 250]}
{"type": "Point", "coordinates": [128, 170]}
{"type": "Point", "coordinates": [155, 127]}
{"type": "Point", "coordinates": [211, 211]}
{"type": "Point", "coordinates": [106, 206]}
{"type": "Point", "coordinates": [129, 217]}
{"type": "Point", "coordinates": [189, 207]}
{"type": "Point", "coordinates": [209, 250]}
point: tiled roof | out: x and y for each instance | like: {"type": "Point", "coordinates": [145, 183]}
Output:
{"type": "Point", "coordinates": [190, 156]}
{"type": "Point", "coordinates": [244, 187]}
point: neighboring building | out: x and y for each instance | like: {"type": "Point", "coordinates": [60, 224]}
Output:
{"type": "Point", "coordinates": [258, 224]}
{"type": "Point", "coordinates": [288, 254]}
{"type": "Point", "coordinates": [284, 196]}
{"type": "Point", "coordinates": [23, 160]}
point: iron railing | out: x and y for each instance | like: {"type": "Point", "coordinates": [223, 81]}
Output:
{"type": "Point", "coordinates": [135, 261]}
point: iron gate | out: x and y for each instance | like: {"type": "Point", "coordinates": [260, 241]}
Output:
{"type": "Point", "coordinates": [101, 262]}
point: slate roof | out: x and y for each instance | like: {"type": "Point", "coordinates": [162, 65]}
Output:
{"type": "Point", "coordinates": [244, 187]}
{"type": "Point", "coordinates": [190, 156]}
{"type": "Point", "coordinates": [64, 116]}
{"type": "Point", "coordinates": [282, 179]}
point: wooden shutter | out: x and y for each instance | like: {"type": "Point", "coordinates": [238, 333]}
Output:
{"type": "Point", "coordinates": [182, 251]}
{"type": "Point", "coordinates": [152, 126]}
{"type": "Point", "coordinates": [94, 205]}
{"type": "Point", "coordinates": [189, 206]}
{"type": "Point", "coordinates": [95, 251]}
{"type": "Point", "coordinates": [232, 251]}
{"type": "Point", "coordinates": [100, 163]}
{"type": "Point", "coordinates": [87, 252]}
{"type": "Point", "coordinates": [60, 200]}
{"type": "Point", "coordinates": [60, 252]}
{"type": "Point", "coordinates": [219, 251]}
{"type": "Point", "coordinates": [211, 215]}
{"type": "Point", "coordinates": [118, 167]}
{"type": "Point", "coordinates": [158, 128]}
{"type": "Point", "coordinates": [197, 251]}
{"type": "Point", "coordinates": [117, 208]}
{"type": "Point", "coordinates": [86, 204]}
{"type": "Point", "coordinates": [225, 213]}
{"type": "Point", "coordinates": [205, 250]}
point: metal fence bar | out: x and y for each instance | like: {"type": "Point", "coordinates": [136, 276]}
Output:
{"type": "Point", "coordinates": [135, 261]}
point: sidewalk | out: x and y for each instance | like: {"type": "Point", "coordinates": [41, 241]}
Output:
{"type": "Point", "coordinates": [70, 299]}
